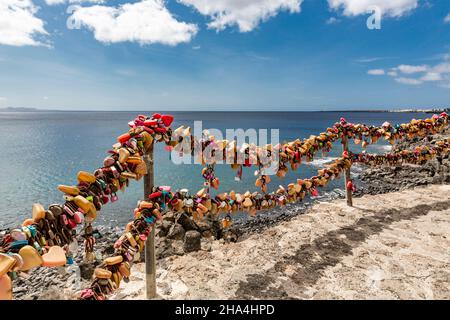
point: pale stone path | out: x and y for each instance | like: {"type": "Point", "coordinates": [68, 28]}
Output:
{"type": "Point", "coordinates": [393, 246]}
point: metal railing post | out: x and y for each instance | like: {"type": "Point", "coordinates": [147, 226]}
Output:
{"type": "Point", "coordinates": [150, 257]}
{"type": "Point", "coordinates": [347, 172]}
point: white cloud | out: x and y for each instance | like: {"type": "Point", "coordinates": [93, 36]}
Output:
{"type": "Point", "coordinates": [19, 25]}
{"type": "Point", "coordinates": [392, 8]}
{"type": "Point", "coordinates": [368, 60]}
{"type": "Point", "coordinates": [246, 14]}
{"type": "Point", "coordinates": [409, 81]}
{"type": "Point", "coordinates": [392, 73]}
{"type": "Point", "coordinates": [418, 74]}
{"type": "Point", "coordinates": [442, 68]}
{"type": "Point", "coordinates": [439, 74]}
{"type": "Point", "coordinates": [408, 69]}
{"type": "Point", "coordinates": [431, 76]}
{"type": "Point", "coordinates": [447, 18]}
{"type": "Point", "coordinates": [56, 2]}
{"type": "Point", "coordinates": [376, 72]}
{"type": "Point", "coordinates": [145, 22]}
{"type": "Point", "coordinates": [332, 20]}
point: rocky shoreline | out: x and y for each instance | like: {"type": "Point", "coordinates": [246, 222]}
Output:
{"type": "Point", "coordinates": [395, 178]}
{"type": "Point", "coordinates": [177, 234]}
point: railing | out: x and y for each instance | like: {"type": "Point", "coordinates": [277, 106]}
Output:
{"type": "Point", "coordinates": [41, 239]}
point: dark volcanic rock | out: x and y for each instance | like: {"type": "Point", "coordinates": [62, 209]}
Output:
{"type": "Point", "coordinates": [176, 232]}
{"type": "Point", "coordinates": [204, 225]}
{"type": "Point", "coordinates": [164, 227]}
{"type": "Point", "coordinates": [187, 222]}
{"type": "Point", "coordinates": [394, 178]}
{"type": "Point", "coordinates": [192, 241]}
{"type": "Point", "coordinates": [86, 270]}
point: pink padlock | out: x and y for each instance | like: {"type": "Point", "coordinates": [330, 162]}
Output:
{"type": "Point", "coordinates": [64, 219]}
{"type": "Point", "coordinates": [114, 197]}
{"type": "Point", "coordinates": [71, 224]}
{"type": "Point", "coordinates": [78, 217]}
{"type": "Point", "coordinates": [108, 162]}
{"type": "Point", "coordinates": [128, 256]}
{"type": "Point", "coordinates": [87, 294]}
{"type": "Point", "coordinates": [117, 244]}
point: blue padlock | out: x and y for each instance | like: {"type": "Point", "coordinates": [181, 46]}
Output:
{"type": "Point", "coordinates": [69, 260]}
{"type": "Point", "coordinates": [32, 230]}
{"type": "Point", "coordinates": [16, 245]}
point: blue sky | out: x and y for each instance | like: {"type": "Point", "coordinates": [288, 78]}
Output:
{"type": "Point", "coordinates": [224, 54]}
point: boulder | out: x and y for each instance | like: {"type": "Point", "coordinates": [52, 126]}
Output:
{"type": "Point", "coordinates": [86, 270]}
{"type": "Point", "coordinates": [204, 225]}
{"type": "Point", "coordinates": [207, 234]}
{"type": "Point", "coordinates": [186, 222]}
{"type": "Point", "coordinates": [164, 228]}
{"type": "Point", "coordinates": [192, 241]}
{"type": "Point", "coordinates": [176, 232]}
{"type": "Point", "coordinates": [163, 248]}
{"type": "Point", "coordinates": [169, 216]}
{"type": "Point", "coordinates": [177, 248]}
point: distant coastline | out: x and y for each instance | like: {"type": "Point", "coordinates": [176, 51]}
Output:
{"type": "Point", "coordinates": [423, 110]}
{"type": "Point", "coordinates": [20, 109]}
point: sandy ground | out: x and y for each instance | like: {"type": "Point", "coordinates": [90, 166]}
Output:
{"type": "Point", "coordinates": [392, 246]}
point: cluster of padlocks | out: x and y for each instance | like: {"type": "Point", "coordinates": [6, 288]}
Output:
{"type": "Point", "coordinates": [109, 274]}
{"type": "Point", "coordinates": [48, 238]}
{"type": "Point", "coordinates": [418, 156]}
{"type": "Point", "coordinates": [291, 154]}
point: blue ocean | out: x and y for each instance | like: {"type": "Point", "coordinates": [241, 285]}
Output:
{"type": "Point", "coordinates": [40, 150]}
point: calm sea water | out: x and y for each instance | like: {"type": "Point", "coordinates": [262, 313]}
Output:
{"type": "Point", "coordinates": [40, 150]}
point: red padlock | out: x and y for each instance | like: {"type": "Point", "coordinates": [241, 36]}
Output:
{"type": "Point", "coordinates": [167, 119]}
{"type": "Point", "coordinates": [155, 195]}
{"type": "Point", "coordinates": [160, 130]}
{"type": "Point", "coordinates": [149, 130]}
{"type": "Point", "coordinates": [150, 123]}
{"type": "Point", "coordinates": [124, 138]}
{"type": "Point", "coordinates": [350, 186]}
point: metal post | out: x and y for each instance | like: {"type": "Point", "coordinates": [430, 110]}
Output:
{"type": "Point", "coordinates": [150, 257]}
{"type": "Point", "coordinates": [347, 171]}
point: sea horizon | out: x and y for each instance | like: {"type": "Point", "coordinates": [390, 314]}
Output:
{"type": "Point", "coordinates": [166, 110]}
